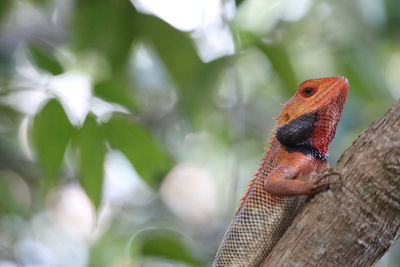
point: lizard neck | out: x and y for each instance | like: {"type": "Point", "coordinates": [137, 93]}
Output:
{"type": "Point", "coordinates": [309, 134]}
{"type": "Point", "coordinates": [325, 128]}
{"type": "Point", "coordinates": [307, 149]}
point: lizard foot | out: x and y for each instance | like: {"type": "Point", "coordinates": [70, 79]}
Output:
{"type": "Point", "coordinates": [324, 181]}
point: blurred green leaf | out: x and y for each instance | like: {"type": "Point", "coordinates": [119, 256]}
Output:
{"type": "Point", "coordinates": [109, 248]}
{"type": "Point", "coordinates": [195, 79]}
{"type": "Point", "coordinates": [44, 60]}
{"type": "Point", "coordinates": [367, 80]}
{"type": "Point", "coordinates": [199, 96]}
{"type": "Point", "coordinates": [14, 160]}
{"type": "Point", "coordinates": [115, 91]}
{"type": "Point", "coordinates": [239, 2]}
{"type": "Point", "coordinates": [5, 6]}
{"type": "Point", "coordinates": [168, 246]}
{"type": "Point", "coordinates": [281, 63]}
{"type": "Point", "coordinates": [51, 133]}
{"type": "Point", "coordinates": [106, 26]}
{"type": "Point", "coordinates": [243, 39]}
{"type": "Point", "coordinates": [91, 145]}
{"type": "Point", "coordinates": [7, 202]}
{"type": "Point", "coordinates": [137, 144]}
{"type": "Point", "coordinates": [393, 23]}
{"type": "Point", "coordinates": [174, 47]}
{"type": "Point", "coordinates": [40, 2]}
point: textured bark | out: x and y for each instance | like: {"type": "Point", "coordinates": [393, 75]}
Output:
{"type": "Point", "coordinates": [356, 222]}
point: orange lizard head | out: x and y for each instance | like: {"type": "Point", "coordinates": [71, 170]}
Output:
{"type": "Point", "coordinates": [312, 95]}
{"type": "Point", "coordinates": [310, 117]}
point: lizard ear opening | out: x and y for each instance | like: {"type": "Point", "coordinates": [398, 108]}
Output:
{"type": "Point", "coordinates": [286, 117]}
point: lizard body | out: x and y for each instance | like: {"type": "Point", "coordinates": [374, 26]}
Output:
{"type": "Point", "coordinates": [280, 187]}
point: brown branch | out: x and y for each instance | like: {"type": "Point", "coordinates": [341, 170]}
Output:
{"type": "Point", "coordinates": [354, 224]}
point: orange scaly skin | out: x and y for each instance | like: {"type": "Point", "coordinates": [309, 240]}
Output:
{"type": "Point", "coordinates": [298, 150]}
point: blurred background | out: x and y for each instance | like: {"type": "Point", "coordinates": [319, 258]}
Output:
{"type": "Point", "coordinates": [129, 130]}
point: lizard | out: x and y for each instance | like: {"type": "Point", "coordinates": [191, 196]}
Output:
{"type": "Point", "coordinates": [287, 174]}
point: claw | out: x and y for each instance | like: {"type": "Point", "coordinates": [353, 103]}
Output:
{"type": "Point", "coordinates": [328, 174]}
{"type": "Point", "coordinates": [321, 185]}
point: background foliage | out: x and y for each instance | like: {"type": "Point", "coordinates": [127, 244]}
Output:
{"type": "Point", "coordinates": [127, 140]}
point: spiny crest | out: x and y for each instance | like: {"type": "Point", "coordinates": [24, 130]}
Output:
{"type": "Point", "coordinates": [269, 141]}
{"type": "Point", "coordinates": [243, 199]}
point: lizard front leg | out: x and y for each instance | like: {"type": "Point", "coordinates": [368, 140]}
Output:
{"type": "Point", "coordinates": [290, 182]}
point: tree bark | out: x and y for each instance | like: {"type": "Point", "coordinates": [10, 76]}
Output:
{"type": "Point", "coordinates": [356, 222]}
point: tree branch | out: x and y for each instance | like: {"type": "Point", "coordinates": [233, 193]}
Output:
{"type": "Point", "coordinates": [355, 223]}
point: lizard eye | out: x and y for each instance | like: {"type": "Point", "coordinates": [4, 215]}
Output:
{"type": "Point", "coordinates": [308, 91]}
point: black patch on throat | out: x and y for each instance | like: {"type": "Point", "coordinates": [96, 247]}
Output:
{"type": "Point", "coordinates": [295, 136]}
{"type": "Point", "coordinates": [298, 131]}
